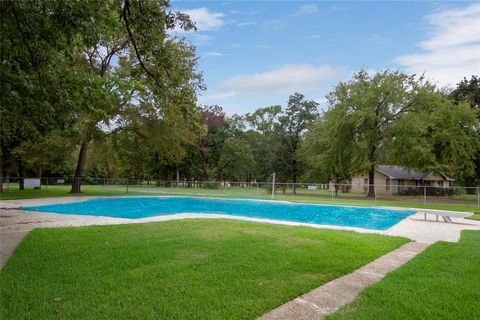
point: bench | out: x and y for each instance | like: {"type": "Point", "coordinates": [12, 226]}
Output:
{"type": "Point", "coordinates": [446, 215]}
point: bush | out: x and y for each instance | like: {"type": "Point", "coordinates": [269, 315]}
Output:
{"type": "Point", "coordinates": [430, 191]}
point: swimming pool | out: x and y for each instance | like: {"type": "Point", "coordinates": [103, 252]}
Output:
{"type": "Point", "coordinates": [142, 207]}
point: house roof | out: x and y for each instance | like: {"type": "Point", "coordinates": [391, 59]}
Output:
{"type": "Point", "coordinates": [398, 172]}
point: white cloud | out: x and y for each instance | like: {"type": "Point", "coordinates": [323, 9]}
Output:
{"type": "Point", "coordinates": [378, 39]}
{"type": "Point", "coordinates": [213, 54]}
{"type": "Point", "coordinates": [201, 38]}
{"type": "Point", "coordinates": [453, 27]}
{"type": "Point", "coordinates": [205, 19]}
{"type": "Point", "coordinates": [262, 46]}
{"type": "Point", "coordinates": [307, 9]}
{"type": "Point", "coordinates": [246, 23]}
{"type": "Point", "coordinates": [274, 24]}
{"type": "Point", "coordinates": [452, 50]}
{"type": "Point", "coordinates": [248, 92]}
{"type": "Point", "coordinates": [336, 9]}
{"type": "Point", "coordinates": [285, 79]}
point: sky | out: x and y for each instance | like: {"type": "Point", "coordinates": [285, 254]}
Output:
{"type": "Point", "coordinates": [256, 53]}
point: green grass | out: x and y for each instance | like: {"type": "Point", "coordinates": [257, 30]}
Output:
{"type": "Point", "coordinates": [61, 191]}
{"type": "Point", "coordinates": [475, 217]}
{"type": "Point", "coordinates": [190, 269]}
{"type": "Point", "coordinates": [441, 283]}
{"type": "Point", "coordinates": [315, 196]}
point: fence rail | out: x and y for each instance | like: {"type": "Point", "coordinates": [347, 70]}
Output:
{"type": "Point", "coordinates": [384, 193]}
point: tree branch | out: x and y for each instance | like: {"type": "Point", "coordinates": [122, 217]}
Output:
{"type": "Point", "coordinates": [124, 15]}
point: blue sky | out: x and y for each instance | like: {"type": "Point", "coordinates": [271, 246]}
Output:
{"type": "Point", "coordinates": [256, 53]}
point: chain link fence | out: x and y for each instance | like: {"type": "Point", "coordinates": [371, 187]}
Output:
{"type": "Point", "coordinates": [390, 195]}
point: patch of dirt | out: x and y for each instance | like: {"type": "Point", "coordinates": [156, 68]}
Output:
{"type": "Point", "coordinates": [33, 221]}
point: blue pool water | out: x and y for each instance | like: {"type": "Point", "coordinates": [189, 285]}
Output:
{"type": "Point", "coordinates": [141, 207]}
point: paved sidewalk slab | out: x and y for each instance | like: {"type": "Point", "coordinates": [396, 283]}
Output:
{"type": "Point", "coordinates": [331, 296]}
{"type": "Point", "coordinates": [8, 243]}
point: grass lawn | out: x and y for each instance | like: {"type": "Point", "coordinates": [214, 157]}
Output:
{"type": "Point", "coordinates": [190, 269]}
{"type": "Point", "coordinates": [316, 196]}
{"type": "Point", "coordinates": [441, 283]}
{"type": "Point", "coordinates": [62, 191]}
{"type": "Point", "coordinates": [476, 216]}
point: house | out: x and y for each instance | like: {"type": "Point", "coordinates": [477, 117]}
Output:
{"type": "Point", "coordinates": [396, 179]}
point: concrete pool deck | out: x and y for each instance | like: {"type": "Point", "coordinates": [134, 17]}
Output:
{"type": "Point", "coordinates": [16, 223]}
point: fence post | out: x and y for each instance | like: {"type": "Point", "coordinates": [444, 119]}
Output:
{"type": "Point", "coordinates": [478, 196]}
{"type": "Point", "coordinates": [126, 181]}
{"type": "Point", "coordinates": [425, 196]}
{"type": "Point", "coordinates": [273, 185]}
{"type": "Point", "coordinates": [46, 185]}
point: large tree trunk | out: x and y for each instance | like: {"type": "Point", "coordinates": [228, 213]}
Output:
{"type": "Point", "coordinates": [178, 176]}
{"type": "Point", "coordinates": [1, 173]}
{"type": "Point", "coordinates": [294, 181]}
{"type": "Point", "coordinates": [205, 169]}
{"type": "Point", "coordinates": [21, 175]}
{"type": "Point", "coordinates": [294, 166]}
{"type": "Point", "coordinates": [157, 168]}
{"type": "Point", "coordinates": [203, 152]}
{"type": "Point", "coordinates": [371, 170]}
{"type": "Point", "coordinates": [82, 156]}
{"type": "Point", "coordinates": [371, 179]}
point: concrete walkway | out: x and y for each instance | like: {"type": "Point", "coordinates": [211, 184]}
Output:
{"type": "Point", "coordinates": [8, 242]}
{"type": "Point", "coordinates": [331, 296]}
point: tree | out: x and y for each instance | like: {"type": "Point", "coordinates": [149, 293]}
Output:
{"type": "Point", "coordinates": [363, 111]}
{"type": "Point", "coordinates": [327, 148]}
{"type": "Point", "coordinates": [35, 44]}
{"type": "Point", "coordinates": [211, 141]}
{"type": "Point", "coordinates": [236, 160]}
{"type": "Point", "coordinates": [394, 118]}
{"type": "Point", "coordinates": [469, 91]}
{"type": "Point", "coordinates": [297, 117]}
{"type": "Point", "coordinates": [441, 136]}
{"type": "Point", "coordinates": [82, 67]}
{"type": "Point", "coordinates": [263, 137]}
{"type": "Point", "coordinates": [154, 71]}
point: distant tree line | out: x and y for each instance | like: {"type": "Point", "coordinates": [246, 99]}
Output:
{"type": "Point", "coordinates": [103, 89]}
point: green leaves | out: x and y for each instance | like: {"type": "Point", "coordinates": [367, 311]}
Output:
{"type": "Point", "coordinates": [236, 160]}
{"type": "Point", "coordinates": [389, 117]}
{"type": "Point", "coordinates": [81, 70]}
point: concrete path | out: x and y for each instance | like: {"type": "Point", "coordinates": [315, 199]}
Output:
{"type": "Point", "coordinates": [8, 242]}
{"type": "Point", "coordinates": [331, 296]}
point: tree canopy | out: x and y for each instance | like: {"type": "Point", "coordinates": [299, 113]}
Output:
{"type": "Point", "coordinates": [108, 89]}
{"type": "Point", "coordinates": [95, 68]}
{"type": "Point", "coordinates": [389, 117]}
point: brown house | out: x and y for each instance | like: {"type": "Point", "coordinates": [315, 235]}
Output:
{"type": "Point", "coordinates": [396, 179]}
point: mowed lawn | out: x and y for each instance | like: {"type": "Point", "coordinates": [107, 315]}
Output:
{"type": "Point", "coordinates": [441, 283]}
{"type": "Point", "coordinates": [186, 269]}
